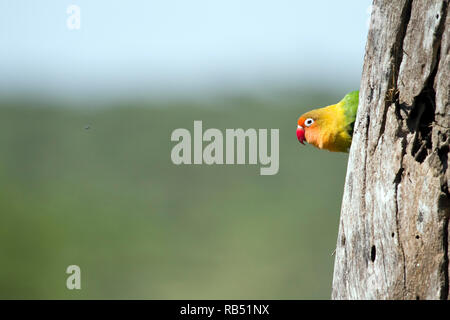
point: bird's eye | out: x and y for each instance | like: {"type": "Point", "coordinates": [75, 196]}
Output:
{"type": "Point", "coordinates": [309, 122]}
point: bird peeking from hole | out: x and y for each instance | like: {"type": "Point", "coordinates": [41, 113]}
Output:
{"type": "Point", "coordinates": [331, 127]}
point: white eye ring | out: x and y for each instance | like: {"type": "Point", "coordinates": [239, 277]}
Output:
{"type": "Point", "coordinates": [309, 122]}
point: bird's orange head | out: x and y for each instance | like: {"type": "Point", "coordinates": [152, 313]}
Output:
{"type": "Point", "coordinates": [306, 128]}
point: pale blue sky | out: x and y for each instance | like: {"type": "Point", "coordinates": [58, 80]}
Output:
{"type": "Point", "coordinates": [149, 46]}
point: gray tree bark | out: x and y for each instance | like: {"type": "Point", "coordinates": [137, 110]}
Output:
{"type": "Point", "coordinates": [394, 229]}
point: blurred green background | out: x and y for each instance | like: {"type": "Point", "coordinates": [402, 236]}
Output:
{"type": "Point", "coordinates": [86, 176]}
{"type": "Point", "coordinates": [97, 188]}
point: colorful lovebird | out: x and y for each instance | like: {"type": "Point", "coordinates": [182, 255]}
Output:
{"type": "Point", "coordinates": [330, 127]}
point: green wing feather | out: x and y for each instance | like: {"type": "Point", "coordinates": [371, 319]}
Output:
{"type": "Point", "coordinates": [350, 105]}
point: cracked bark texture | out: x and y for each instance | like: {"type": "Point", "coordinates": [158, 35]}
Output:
{"type": "Point", "coordinates": [393, 235]}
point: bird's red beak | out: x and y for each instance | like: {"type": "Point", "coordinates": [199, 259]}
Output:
{"type": "Point", "coordinates": [301, 134]}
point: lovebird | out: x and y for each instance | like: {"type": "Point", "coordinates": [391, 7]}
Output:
{"type": "Point", "coordinates": [331, 127]}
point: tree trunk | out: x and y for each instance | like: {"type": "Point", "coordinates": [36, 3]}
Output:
{"type": "Point", "coordinates": [393, 237]}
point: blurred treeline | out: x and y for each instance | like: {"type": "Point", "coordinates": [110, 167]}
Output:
{"type": "Point", "coordinates": [95, 187]}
